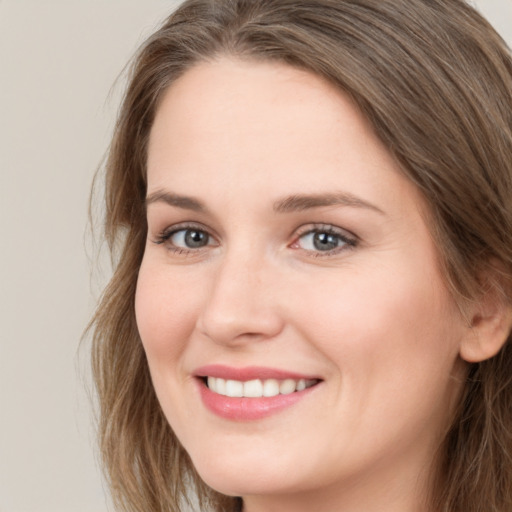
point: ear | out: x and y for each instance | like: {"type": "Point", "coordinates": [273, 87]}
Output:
{"type": "Point", "coordinates": [490, 319]}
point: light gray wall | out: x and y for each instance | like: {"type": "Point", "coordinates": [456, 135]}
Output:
{"type": "Point", "coordinates": [58, 61]}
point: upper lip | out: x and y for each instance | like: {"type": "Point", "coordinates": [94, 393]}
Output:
{"type": "Point", "coordinates": [249, 373]}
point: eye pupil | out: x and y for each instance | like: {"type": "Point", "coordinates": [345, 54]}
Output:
{"type": "Point", "coordinates": [325, 241]}
{"type": "Point", "coordinates": [195, 238]}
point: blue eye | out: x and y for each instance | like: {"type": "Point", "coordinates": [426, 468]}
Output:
{"type": "Point", "coordinates": [182, 239]}
{"type": "Point", "coordinates": [189, 238]}
{"type": "Point", "coordinates": [327, 240]}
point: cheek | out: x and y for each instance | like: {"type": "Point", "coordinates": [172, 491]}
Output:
{"type": "Point", "coordinates": [393, 343]}
{"type": "Point", "coordinates": [384, 330]}
{"type": "Point", "coordinates": [165, 319]}
{"type": "Point", "coordinates": [165, 315]}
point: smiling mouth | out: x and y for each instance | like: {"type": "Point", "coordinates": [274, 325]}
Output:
{"type": "Point", "coordinates": [257, 388]}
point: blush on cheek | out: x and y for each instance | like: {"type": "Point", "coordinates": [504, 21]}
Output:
{"type": "Point", "coordinates": [149, 312]}
{"type": "Point", "coordinates": [164, 317]}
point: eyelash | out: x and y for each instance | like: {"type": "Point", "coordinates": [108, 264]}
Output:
{"type": "Point", "coordinates": [164, 237]}
{"type": "Point", "coordinates": [347, 241]}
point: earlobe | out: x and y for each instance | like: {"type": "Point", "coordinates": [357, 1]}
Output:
{"type": "Point", "coordinates": [490, 326]}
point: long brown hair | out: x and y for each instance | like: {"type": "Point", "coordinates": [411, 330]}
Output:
{"type": "Point", "coordinates": [435, 81]}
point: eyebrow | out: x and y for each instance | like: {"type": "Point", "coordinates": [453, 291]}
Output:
{"type": "Point", "coordinates": [185, 202]}
{"type": "Point", "coordinates": [298, 203]}
{"type": "Point", "coordinates": [293, 203]}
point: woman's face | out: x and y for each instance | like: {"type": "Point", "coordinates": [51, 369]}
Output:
{"type": "Point", "coordinates": [286, 251]}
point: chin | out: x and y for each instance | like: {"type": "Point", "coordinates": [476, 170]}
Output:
{"type": "Point", "coordinates": [231, 479]}
{"type": "Point", "coordinates": [242, 487]}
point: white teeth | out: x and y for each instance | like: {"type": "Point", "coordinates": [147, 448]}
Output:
{"type": "Point", "coordinates": [257, 388]}
{"type": "Point", "coordinates": [271, 387]}
{"type": "Point", "coordinates": [220, 386]}
{"type": "Point", "coordinates": [287, 386]}
{"type": "Point", "coordinates": [234, 388]}
{"type": "Point", "coordinates": [253, 388]}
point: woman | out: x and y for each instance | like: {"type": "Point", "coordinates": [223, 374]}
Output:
{"type": "Point", "coordinates": [311, 204]}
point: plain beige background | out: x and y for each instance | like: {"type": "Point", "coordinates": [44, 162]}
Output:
{"type": "Point", "coordinates": [58, 62]}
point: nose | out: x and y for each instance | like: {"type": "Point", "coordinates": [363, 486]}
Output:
{"type": "Point", "coordinates": [241, 304]}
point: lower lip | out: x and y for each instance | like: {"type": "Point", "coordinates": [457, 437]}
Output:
{"type": "Point", "coordinates": [246, 409]}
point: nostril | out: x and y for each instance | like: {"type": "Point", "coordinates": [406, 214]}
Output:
{"type": "Point", "coordinates": [240, 329]}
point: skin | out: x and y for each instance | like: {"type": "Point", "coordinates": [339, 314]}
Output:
{"type": "Point", "coordinates": [372, 318]}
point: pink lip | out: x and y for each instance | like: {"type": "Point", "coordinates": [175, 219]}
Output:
{"type": "Point", "coordinates": [247, 409]}
{"type": "Point", "coordinates": [248, 373]}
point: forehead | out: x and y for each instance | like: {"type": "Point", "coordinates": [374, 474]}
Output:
{"type": "Point", "coordinates": [255, 97]}
{"type": "Point", "coordinates": [251, 124]}
{"type": "Point", "coordinates": [234, 81]}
